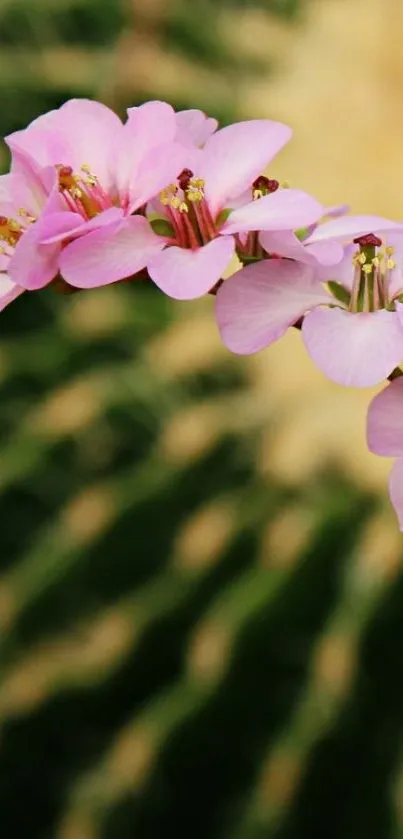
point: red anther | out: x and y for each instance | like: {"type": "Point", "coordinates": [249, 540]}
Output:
{"type": "Point", "coordinates": [64, 171]}
{"type": "Point", "coordinates": [184, 178]}
{"type": "Point", "coordinates": [368, 241]}
{"type": "Point", "coordinates": [265, 184]}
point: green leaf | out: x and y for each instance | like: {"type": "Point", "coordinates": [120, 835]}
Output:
{"type": "Point", "coordinates": [162, 227]}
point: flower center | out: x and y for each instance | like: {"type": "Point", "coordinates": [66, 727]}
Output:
{"type": "Point", "coordinates": [11, 230]}
{"type": "Point", "coordinates": [188, 211]}
{"type": "Point", "coordinates": [82, 192]}
{"type": "Point", "coordinates": [372, 267]}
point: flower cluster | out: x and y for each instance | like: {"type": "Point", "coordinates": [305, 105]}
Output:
{"type": "Point", "coordinates": [90, 200]}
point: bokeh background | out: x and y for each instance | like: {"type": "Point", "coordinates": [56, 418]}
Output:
{"type": "Point", "coordinates": [201, 588]}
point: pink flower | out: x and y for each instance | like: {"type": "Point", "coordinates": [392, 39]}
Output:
{"type": "Point", "coordinates": [205, 227]}
{"type": "Point", "coordinates": [107, 172]}
{"type": "Point", "coordinates": [352, 328]}
{"type": "Point", "coordinates": [24, 206]}
{"type": "Point", "coordinates": [385, 437]}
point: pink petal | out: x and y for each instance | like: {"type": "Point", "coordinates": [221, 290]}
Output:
{"type": "Point", "coordinates": [81, 132]}
{"type": "Point", "coordinates": [336, 210]}
{"type": "Point", "coordinates": [194, 127]}
{"type": "Point", "coordinates": [58, 226]}
{"type": "Point", "coordinates": [42, 147]}
{"type": "Point", "coordinates": [357, 350]}
{"type": "Point", "coordinates": [153, 123]}
{"type": "Point", "coordinates": [285, 209]}
{"type": "Point", "coordinates": [286, 243]}
{"type": "Point", "coordinates": [160, 167]}
{"type": "Point", "coordinates": [326, 253]}
{"type": "Point", "coordinates": [34, 265]}
{"type": "Point", "coordinates": [385, 421]}
{"type": "Point", "coordinates": [9, 291]}
{"type": "Point", "coordinates": [6, 192]}
{"type": "Point", "coordinates": [146, 159]}
{"type": "Point", "coordinates": [348, 227]}
{"type": "Point", "coordinates": [109, 254]}
{"type": "Point", "coordinates": [256, 305]}
{"type": "Point", "coordinates": [236, 155]}
{"type": "Point", "coordinates": [187, 274]}
{"type": "Point", "coordinates": [396, 489]}
{"type": "Point", "coordinates": [343, 271]}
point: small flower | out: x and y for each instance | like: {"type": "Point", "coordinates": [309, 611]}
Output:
{"type": "Point", "coordinates": [206, 210]}
{"type": "Point", "coordinates": [385, 437]}
{"type": "Point", "coordinates": [352, 320]}
{"type": "Point", "coordinates": [24, 205]}
{"type": "Point", "coordinates": [106, 174]}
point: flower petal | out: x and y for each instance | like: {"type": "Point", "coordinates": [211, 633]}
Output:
{"type": "Point", "coordinates": [396, 489]}
{"type": "Point", "coordinates": [234, 156]}
{"type": "Point", "coordinates": [347, 227]}
{"type": "Point", "coordinates": [385, 421]}
{"type": "Point", "coordinates": [194, 127]}
{"type": "Point", "coordinates": [336, 210]}
{"type": "Point", "coordinates": [154, 123]}
{"type": "Point", "coordinates": [187, 274]}
{"type": "Point", "coordinates": [33, 265]}
{"type": "Point", "coordinates": [286, 243]}
{"type": "Point", "coordinates": [81, 132]}
{"type": "Point", "coordinates": [357, 350]}
{"type": "Point", "coordinates": [160, 167]}
{"type": "Point", "coordinates": [256, 305]}
{"type": "Point", "coordinates": [285, 209]}
{"type": "Point", "coordinates": [110, 253]}
{"type": "Point", "coordinates": [58, 226]}
{"type": "Point", "coordinates": [9, 291]}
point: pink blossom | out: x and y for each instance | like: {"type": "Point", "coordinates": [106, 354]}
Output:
{"type": "Point", "coordinates": [385, 437]}
{"type": "Point", "coordinates": [352, 327]}
{"type": "Point", "coordinates": [207, 213]}
{"type": "Point", "coordinates": [24, 206]}
{"type": "Point", "coordinates": [106, 172]}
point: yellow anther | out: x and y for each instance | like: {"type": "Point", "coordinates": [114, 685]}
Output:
{"type": "Point", "coordinates": [367, 268]}
{"type": "Point", "coordinates": [391, 264]}
{"type": "Point", "coordinates": [375, 262]}
{"type": "Point", "coordinates": [389, 250]}
{"type": "Point", "coordinates": [14, 226]}
{"type": "Point", "coordinates": [257, 193]}
{"type": "Point", "coordinates": [194, 195]}
{"type": "Point", "coordinates": [175, 202]}
{"type": "Point", "coordinates": [76, 192]}
{"type": "Point", "coordinates": [164, 197]}
{"type": "Point", "coordinates": [197, 182]}
{"type": "Point", "coordinates": [85, 168]}
{"type": "Point", "coordinates": [26, 215]}
{"type": "Point", "coordinates": [183, 207]}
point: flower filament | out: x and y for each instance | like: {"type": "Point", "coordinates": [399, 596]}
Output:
{"type": "Point", "coordinates": [188, 211]}
{"type": "Point", "coordinates": [372, 268]}
{"type": "Point", "coordinates": [82, 192]}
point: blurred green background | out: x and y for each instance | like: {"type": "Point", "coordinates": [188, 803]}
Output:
{"type": "Point", "coordinates": [201, 594]}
